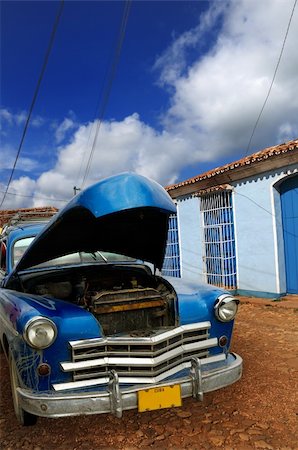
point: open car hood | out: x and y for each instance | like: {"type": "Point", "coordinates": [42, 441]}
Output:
{"type": "Point", "coordinates": [126, 214]}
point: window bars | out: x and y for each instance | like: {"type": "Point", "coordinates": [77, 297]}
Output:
{"type": "Point", "coordinates": [219, 255]}
{"type": "Point", "coordinates": [171, 264]}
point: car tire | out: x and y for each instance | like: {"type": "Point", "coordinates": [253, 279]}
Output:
{"type": "Point", "coordinates": [24, 417]}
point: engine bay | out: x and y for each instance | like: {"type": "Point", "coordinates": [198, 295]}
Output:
{"type": "Point", "coordinates": [123, 298]}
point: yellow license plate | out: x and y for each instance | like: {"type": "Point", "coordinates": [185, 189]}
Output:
{"type": "Point", "coordinates": [159, 397]}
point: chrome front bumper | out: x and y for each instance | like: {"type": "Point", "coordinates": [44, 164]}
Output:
{"type": "Point", "coordinates": [116, 400]}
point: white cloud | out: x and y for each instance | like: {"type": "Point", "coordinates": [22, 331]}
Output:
{"type": "Point", "coordinates": [128, 145]}
{"type": "Point", "coordinates": [8, 155]}
{"type": "Point", "coordinates": [5, 116]}
{"type": "Point", "coordinates": [9, 119]}
{"type": "Point", "coordinates": [221, 95]}
{"type": "Point", "coordinates": [37, 121]}
{"type": "Point", "coordinates": [287, 131]}
{"type": "Point", "coordinates": [173, 61]}
{"type": "Point", "coordinates": [20, 118]}
{"type": "Point", "coordinates": [19, 193]}
{"type": "Point", "coordinates": [66, 125]}
{"type": "Point", "coordinates": [215, 102]}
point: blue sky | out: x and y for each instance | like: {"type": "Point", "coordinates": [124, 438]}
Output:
{"type": "Point", "coordinates": [189, 86]}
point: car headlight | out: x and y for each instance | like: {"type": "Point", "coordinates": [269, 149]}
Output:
{"type": "Point", "coordinates": [40, 332]}
{"type": "Point", "coordinates": [225, 308]}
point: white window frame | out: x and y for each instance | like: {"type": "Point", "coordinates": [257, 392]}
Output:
{"type": "Point", "coordinates": [172, 261]}
{"type": "Point", "coordinates": [219, 249]}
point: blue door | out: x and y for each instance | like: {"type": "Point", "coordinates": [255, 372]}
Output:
{"type": "Point", "coordinates": [289, 205]}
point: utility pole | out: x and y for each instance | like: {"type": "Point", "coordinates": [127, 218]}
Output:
{"type": "Point", "coordinates": [75, 189]}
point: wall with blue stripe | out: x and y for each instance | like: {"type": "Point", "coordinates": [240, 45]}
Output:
{"type": "Point", "coordinates": [260, 252]}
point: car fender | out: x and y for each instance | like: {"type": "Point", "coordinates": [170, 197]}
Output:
{"type": "Point", "coordinates": [72, 322]}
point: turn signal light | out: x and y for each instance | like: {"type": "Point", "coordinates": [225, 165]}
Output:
{"type": "Point", "coordinates": [43, 369]}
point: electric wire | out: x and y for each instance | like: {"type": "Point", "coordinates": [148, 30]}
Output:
{"type": "Point", "coordinates": [109, 83]}
{"type": "Point", "coordinates": [97, 108]}
{"type": "Point", "coordinates": [92, 128]}
{"type": "Point", "coordinates": [272, 81]}
{"type": "Point", "coordinates": [44, 65]}
{"type": "Point", "coordinates": [16, 194]}
{"type": "Point", "coordinates": [267, 211]}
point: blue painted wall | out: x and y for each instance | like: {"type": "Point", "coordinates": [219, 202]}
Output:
{"type": "Point", "coordinates": [255, 241]}
{"type": "Point", "coordinates": [258, 230]}
{"type": "Point", "coordinates": [289, 207]}
{"type": "Point", "coordinates": [190, 229]}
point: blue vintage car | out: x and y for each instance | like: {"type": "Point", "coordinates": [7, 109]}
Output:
{"type": "Point", "coordinates": [87, 323]}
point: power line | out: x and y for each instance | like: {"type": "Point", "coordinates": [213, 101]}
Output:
{"type": "Point", "coordinates": [47, 55]}
{"type": "Point", "coordinates": [15, 194]}
{"type": "Point", "coordinates": [267, 211]}
{"type": "Point", "coordinates": [91, 128]}
{"type": "Point", "coordinates": [109, 82]}
{"type": "Point", "coordinates": [271, 85]}
{"type": "Point", "coordinates": [108, 85]}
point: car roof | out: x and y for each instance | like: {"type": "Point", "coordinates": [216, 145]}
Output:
{"type": "Point", "coordinates": [23, 229]}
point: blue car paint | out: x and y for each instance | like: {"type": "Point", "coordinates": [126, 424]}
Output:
{"type": "Point", "coordinates": [195, 302]}
{"type": "Point", "coordinates": [72, 322]}
{"type": "Point", "coordinates": [136, 192]}
{"type": "Point", "coordinates": [75, 323]}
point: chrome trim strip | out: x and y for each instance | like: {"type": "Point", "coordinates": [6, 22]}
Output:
{"type": "Point", "coordinates": [61, 404]}
{"type": "Point", "coordinates": [137, 380]}
{"type": "Point", "coordinates": [85, 343]}
{"type": "Point", "coordinates": [133, 361]}
{"type": "Point", "coordinates": [80, 384]}
{"type": "Point", "coordinates": [138, 372]}
{"type": "Point", "coordinates": [149, 350]}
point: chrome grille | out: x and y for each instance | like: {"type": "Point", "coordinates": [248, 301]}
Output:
{"type": "Point", "coordinates": [136, 358]}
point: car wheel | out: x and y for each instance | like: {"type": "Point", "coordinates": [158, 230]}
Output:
{"type": "Point", "coordinates": [23, 417]}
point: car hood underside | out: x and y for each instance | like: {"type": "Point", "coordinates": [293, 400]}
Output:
{"type": "Point", "coordinates": [126, 214]}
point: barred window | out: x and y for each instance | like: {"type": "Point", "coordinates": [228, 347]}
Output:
{"type": "Point", "coordinates": [171, 264]}
{"type": "Point", "coordinates": [219, 239]}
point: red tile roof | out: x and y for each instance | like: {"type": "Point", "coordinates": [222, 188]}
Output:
{"type": "Point", "coordinates": [270, 152]}
{"type": "Point", "coordinates": [45, 211]}
{"type": "Point", "coordinates": [213, 189]}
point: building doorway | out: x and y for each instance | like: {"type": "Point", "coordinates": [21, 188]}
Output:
{"type": "Point", "coordinates": [289, 207]}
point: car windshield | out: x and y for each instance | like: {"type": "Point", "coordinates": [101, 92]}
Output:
{"type": "Point", "coordinates": [21, 246]}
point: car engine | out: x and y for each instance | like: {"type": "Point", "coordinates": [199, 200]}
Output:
{"type": "Point", "coordinates": [122, 298]}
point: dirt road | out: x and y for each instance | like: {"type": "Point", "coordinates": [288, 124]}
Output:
{"type": "Point", "coordinates": [258, 412]}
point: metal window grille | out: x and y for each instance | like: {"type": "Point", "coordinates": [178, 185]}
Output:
{"type": "Point", "coordinates": [171, 264]}
{"type": "Point", "coordinates": [219, 239]}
